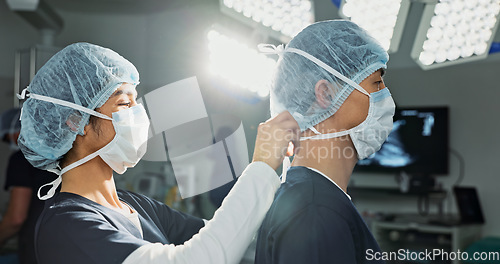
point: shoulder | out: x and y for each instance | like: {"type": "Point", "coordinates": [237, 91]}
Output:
{"type": "Point", "coordinates": [132, 196]}
{"type": "Point", "coordinates": [74, 229]}
{"type": "Point", "coordinates": [18, 157]}
{"type": "Point", "coordinates": [314, 234]}
{"type": "Point", "coordinates": [67, 208]}
{"type": "Point", "coordinates": [67, 213]}
{"type": "Point", "coordinates": [309, 201]}
{"type": "Point", "coordinates": [138, 200]}
{"type": "Point", "coordinates": [306, 189]}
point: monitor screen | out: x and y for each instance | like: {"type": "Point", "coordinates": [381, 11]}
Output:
{"type": "Point", "coordinates": [418, 143]}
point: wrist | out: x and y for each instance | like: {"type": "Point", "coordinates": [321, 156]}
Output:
{"type": "Point", "coordinates": [273, 164]}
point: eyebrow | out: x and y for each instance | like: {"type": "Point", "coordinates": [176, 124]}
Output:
{"type": "Point", "coordinates": [382, 72]}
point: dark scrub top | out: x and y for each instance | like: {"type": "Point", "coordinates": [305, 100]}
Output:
{"type": "Point", "coordinates": [20, 173]}
{"type": "Point", "coordinates": [312, 221]}
{"type": "Point", "coordinates": [73, 229]}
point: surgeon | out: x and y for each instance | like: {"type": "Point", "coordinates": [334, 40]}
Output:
{"type": "Point", "coordinates": [82, 121]}
{"type": "Point", "coordinates": [330, 78]}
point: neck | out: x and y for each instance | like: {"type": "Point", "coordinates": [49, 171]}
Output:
{"type": "Point", "coordinates": [94, 181]}
{"type": "Point", "coordinates": [334, 157]}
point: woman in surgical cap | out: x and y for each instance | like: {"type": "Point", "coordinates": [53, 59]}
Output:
{"type": "Point", "coordinates": [82, 122]}
{"type": "Point", "coordinates": [329, 77]}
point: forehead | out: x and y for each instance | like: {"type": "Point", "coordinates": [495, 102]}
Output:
{"type": "Point", "coordinates": [125, 89]}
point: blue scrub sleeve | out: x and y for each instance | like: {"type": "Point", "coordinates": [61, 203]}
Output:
{"type": "Point", "coordinates": [310, 238]}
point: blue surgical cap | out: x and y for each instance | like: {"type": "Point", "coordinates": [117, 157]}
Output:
{"type": "Point", "coordinates": [342, 45]}
{"type": "Point", "coordinates": [9, 122]}
{"type": "Point", "coordinates": [81, 73]}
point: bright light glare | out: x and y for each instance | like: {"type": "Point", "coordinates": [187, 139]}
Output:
{"type": "Point", "coordinates": [459, 29]}
{"type": "Point", "coordinates": [239, 64]}
{"type": "Point", "coordinates": [377, 17]}
{"type": "Point", "coordinates": [286, 16]}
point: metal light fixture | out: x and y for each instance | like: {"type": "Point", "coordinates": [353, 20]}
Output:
{"type": "Point", "coordinates": [281, 19]}
{"type": "Point", "coordinates": [239, 64]}
{"type": "Point", "coordinates": [383, 19]}
{"type": "Point", "coordinates": [455, 31]}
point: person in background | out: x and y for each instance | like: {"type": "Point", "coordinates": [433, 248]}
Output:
{"type": "Point", "coordinates": [22, 181]}
{"type": "Point", "coordinates": [82, 121]}
{"type": "Point", "coordinates": [329, 77]}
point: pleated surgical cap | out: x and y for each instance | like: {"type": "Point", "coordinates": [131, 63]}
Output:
{"type": "Point", "coordinates": [81, 73]}
{"type": "Point", "coordinates": [340, 44]}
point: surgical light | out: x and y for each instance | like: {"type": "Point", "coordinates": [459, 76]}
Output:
{"type": "Point", "coordinates": [239, 64]}
{"type": "Point", "coordinates": [455, 31]}
{"type": "Point", "coordinates": [282, 19]}
{"type": "Point", "coordinates": [383, 19]}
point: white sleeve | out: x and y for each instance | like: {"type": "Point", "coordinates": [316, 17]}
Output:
{"type": "Point", "coordinates": [225, 238]}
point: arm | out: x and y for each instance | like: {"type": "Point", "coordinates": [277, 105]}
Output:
{"type": "Point", "coordinates": [225, 238]}
{"type": "Point", "coordinates": [17, 211]}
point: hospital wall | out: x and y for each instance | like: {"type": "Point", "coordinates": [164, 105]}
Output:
{"type": "Point", "coordinates": [167, 45]}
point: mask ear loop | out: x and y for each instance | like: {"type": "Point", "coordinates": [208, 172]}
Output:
{"type": "Point", "coordinates": [315, 131]}
{"type": "Point", "coordinates": [23, 95]}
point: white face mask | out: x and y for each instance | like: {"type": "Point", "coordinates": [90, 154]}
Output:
{"type": "Point", "coordinates": [129, 144]}
{"type": "Point", "coordinates": [368, 136]}
{"type": "Point", "coordinates": [125, 149]}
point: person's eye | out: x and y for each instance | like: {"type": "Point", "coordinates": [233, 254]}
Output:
{"type": "Point", "coordinates": [124, 104]}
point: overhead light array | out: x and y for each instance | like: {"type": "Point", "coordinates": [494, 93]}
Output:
{"type": "Point", "coordinates": [285, 17]}
{"type": "Point", "coordinates": [383, 19]}
{"type": "Point", "coordinates": [455, 31]}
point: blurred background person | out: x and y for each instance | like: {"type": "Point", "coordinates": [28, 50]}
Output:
{"type": "Point", "coordinates": [22, 181]}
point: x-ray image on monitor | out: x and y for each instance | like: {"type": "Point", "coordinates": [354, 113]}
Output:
{"type": "Point", "coordinates": [418, 143]}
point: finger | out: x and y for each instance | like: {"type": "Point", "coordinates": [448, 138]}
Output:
{"type": "Point", "coordinates": [296, 146]}
{"type": "Point", "coordinates": [283, 116]}
{"type": "Point", "coordinates": [290, 150]}
{"type": "Point", "coordinates": [296, 139]}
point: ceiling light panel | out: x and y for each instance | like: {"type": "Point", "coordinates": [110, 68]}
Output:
{"type": "Point", "coordinates": [383, 19]}
{"type": "Point", "coordinates": [455, 31]}
{"type": "Point", "coordinates": [282, 19]}
{"type": "Point", "coordinates": [239, 64]}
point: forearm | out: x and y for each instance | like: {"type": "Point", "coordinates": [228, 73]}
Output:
{"type": "Point", "coordinates": [17, 212]}
{"type": "Point", "coordinates": [225, 238]}
{"type": "Point", "coordinates": [8, 229]}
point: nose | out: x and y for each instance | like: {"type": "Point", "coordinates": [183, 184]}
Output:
{"type": "Point", "coordinates": [382, 85]}
{"type": "Point", "coordinates": [133, 101]}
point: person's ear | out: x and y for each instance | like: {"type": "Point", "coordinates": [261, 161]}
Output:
{"type": "Point", "coordinates": [71, 125]}
{"type": "Point", "coordinates": [322, 90]}
{"type": "Point", "coordinates": [73, 121]}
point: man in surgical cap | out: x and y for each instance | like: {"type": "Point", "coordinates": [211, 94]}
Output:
{"type": "Point", "coordinates": [329, 77]}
